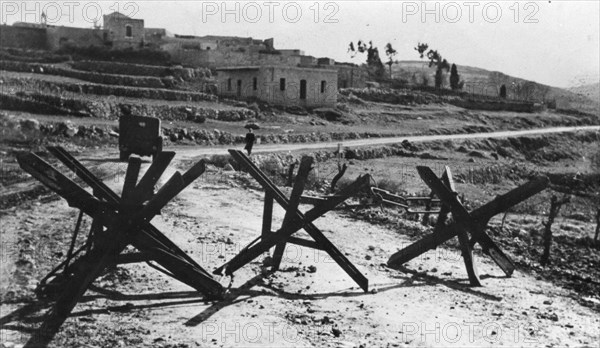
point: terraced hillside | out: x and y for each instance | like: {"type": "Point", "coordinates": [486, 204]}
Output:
{"type": "Point", "coordinates": [482, 81]}
{"type": "Point", "coordinates": [52, 91]}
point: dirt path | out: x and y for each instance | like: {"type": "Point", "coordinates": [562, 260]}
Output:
{"type": "Point", "coordinates": [429, 305]}
{"type": "Point", "coordinates": [190, 152]}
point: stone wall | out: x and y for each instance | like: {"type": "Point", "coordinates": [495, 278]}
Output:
{"type": "Point", "coordinates": [123, 80]}
{"type": "Point", "coordinates": [187, 74]}
{"type": "Point", "coordinates": [409, 97]}
{"type": "Point", "coordinates": [390, 96]}
{"type": "Point", "coordinates": [494, 105]}
{"type": "Point", "coordinates": [187, 57]}
{"type": "Point", "coordinates": [58, 37]}
{"type": "Point", "coordinates": [223, 58]}
{"type": "Point", "coordinates": [109, 108]}
{"type": "Point", "coordinates": [23, 37]}
{"type": "Point", "coordinates": [196, 43]}
{"type": "Point", "coordinates": [351, 76]}
{"type": "Point", "coordinates": [64, 88]}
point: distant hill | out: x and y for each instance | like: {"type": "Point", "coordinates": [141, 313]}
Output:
{"type": "Point", "coordinates": [482, 81]}
{"type": "Point", "coordinates": [591, 91]}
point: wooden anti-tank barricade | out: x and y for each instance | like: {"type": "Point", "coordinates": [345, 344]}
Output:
{"type": "Point", "coordinates": [465, 223]}
{"type": "Point", "coordinates": [293, 221]}
{"type": "Point", "coordinates": [117, 223]}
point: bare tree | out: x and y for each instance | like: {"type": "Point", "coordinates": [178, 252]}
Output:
{"type": "Point", "coordinates": [555, 205]}
{"type": "Point", "coordinates": [441, 64]}
{"type": "Point", "coordinates": [390, 52]}
{"type": "Point", "coordinates": [374, 63]}
{"type": "Point", "coordinates": [421, 48]}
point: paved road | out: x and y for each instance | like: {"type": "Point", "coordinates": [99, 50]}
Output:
{"type": "Point", "coordinates": [190, 151]}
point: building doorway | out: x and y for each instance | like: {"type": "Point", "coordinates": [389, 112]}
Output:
{"type": "Point", "coordinates": [239, 88]}
{"type": "Point", "coordinates": [303, 89]}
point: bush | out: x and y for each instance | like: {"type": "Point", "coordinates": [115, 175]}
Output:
{"type": "Point", "coordinates": [220, 161]}
{"type": "Point", "coordinates": [399, 83]}
{"type": "Point", "coordinates": [272, 167]}
{"type": "Point", "coordinates": [343, 183]}
{"type": "Point", "coordinates": [390, 185]}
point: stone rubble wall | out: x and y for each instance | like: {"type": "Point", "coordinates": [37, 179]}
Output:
{"type": "Point", "coordinates": [115, 68]}
{"type": "Point", "coordinates": [107, 79]}
{"type": "Point", "coordinates": [107, 108]}
{"type": "Point", "coordinates": [107, 90]}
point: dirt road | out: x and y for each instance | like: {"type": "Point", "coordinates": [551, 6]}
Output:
{"type": "Point", "coordinates": [430, 305]}
{"type": "Point", "coordinates": [310, 302]}
{"type": "Point", "coordinates": [187, 151]}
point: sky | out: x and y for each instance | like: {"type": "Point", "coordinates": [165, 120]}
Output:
{"type": "Point", "coordinates": [551, 42]}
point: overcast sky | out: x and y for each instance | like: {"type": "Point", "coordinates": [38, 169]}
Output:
{"type": "Point", "coordinates": [552, 42]}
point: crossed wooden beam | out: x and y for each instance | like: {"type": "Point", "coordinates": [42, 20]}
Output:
{"type": "Point", "coordinates": [117, 223]}
{"type": "Point", "coordinates": [465, 223]}
{"type": "Point", "coordinates": [293, 221]}
{"type": "Point", "coordinates": [122, 221]}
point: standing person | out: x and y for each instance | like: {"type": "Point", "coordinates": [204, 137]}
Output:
{"type": "Point", "coordinates": [250, 138]}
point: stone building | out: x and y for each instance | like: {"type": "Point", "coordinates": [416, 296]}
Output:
{"type": "Point", "coordinates": [156, 35]}
{"type": "Point", "coordinates": [351, 75]}
{"type": "Point", "coordinates": [123, 31]}
{"type": "Point", "coordinates": [237, 58]}
{"type": "Point", "coordinates": [280, 85]}
{"type": "Point", "coordinates": [120, 31]}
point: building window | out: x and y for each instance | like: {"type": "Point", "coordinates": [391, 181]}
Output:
{"type": "Point", "coordinates": [323, 86]}
{"type": "Point", "coordinates": [128, 31]}
{"type": "Point", "coordinates": [282, 84]}
{"type": "Point", "coordinates": [229, 84]}
{"type": "Point", "coordinates": [302, 89]}
{"type": "Point", "coordinates": [254, 83]}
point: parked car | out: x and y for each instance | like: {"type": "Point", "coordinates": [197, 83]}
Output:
{"type": "Point", "coordinates": [140, 135]}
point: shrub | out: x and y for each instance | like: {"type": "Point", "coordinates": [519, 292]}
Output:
{"type": "Point", "coordinates": [219, 161]}
{"type": "Point", "coordinates": [272, 167]}
{"type": "Point", "coordinates": [424, 79]}
{"type": "Point", "coordinates": [390, 185]}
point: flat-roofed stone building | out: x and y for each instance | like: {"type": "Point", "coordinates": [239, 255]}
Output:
{"type": "Point", "coordinates": [280, 85]}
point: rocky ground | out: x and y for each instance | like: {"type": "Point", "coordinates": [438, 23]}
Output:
{"type": "Point", "coordinates": [310, 301]}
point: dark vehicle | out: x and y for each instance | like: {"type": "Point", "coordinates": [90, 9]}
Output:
{"type": "Point", "coordinates": [140, 135]}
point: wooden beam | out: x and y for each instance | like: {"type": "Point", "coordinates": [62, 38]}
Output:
{"type": "Point", "coordinates": [481, 215]}
{"type": "Point", "coordinates": [300, 221]}
{"type": "Point", "coordinates": [267, 214]}
{"type": "Point", "coordinates": [463, 238]}
{"type": "Point", "coordinates": [290, 214]}
{"type": "Point", "coordinates": [154, 172]}
{"type": "Point", "coordinates": [464, 220]}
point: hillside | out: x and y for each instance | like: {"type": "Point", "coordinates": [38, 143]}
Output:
{"type": "Point", "coordinates": [591, 91]}
{"type": "Point", "coordinates": [309, 301]}
{"type": "Point", "coordinates": [482, 81]}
